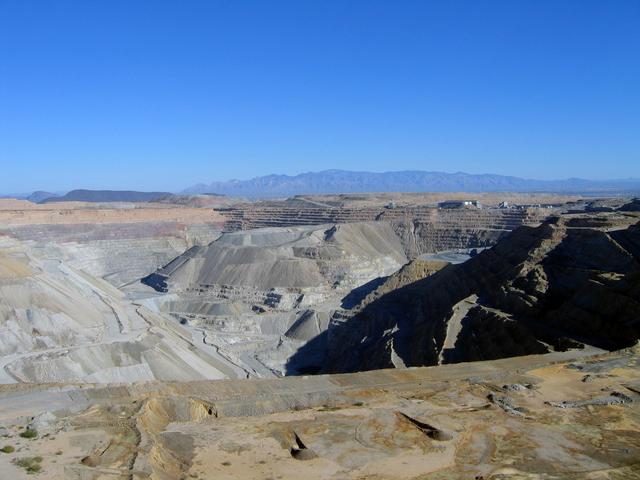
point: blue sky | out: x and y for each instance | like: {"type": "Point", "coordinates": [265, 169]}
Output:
{"type": "Point", "coordinates": [164, 94]}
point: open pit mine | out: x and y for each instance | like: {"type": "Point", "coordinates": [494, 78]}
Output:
{"type": "Point", "coordinates": [361, 336]}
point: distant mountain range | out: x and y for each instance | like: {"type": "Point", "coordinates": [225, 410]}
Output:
{"type": "Point", "coordinates": [100, 196]}
{"type": "Point", "coordinates": [342, 181]}
{"type": "Point", "coordinates": [40, 196]}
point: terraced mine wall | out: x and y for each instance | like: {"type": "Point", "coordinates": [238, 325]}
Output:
{"type": "Point", "coordinates": [118, 242]}
{"type": "Point", "coordinates": [18, 212]}
{"type": "Point", "coordinates": [118, 252]}
{"type": "Point", "coordinates": [423, 229]}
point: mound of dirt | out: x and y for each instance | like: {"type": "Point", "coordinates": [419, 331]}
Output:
{"type": "Point", "coordinates": [297, 257]}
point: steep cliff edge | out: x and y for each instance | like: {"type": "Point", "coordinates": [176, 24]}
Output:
{"type": "Point", "coordinates": [574, 280]}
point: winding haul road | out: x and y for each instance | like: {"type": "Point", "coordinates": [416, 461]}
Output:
{"type": "Point", "coordinates": [128, 322]}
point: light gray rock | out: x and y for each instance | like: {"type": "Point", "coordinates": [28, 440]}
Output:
{"type": "Point", "coordinates": [42, 421]}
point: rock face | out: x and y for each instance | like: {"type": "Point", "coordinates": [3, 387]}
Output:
{"type": "Point", "coordinates": [422, 229]}
{"type": "Point", "coordinates": [573, 280]}
{"type": "Point", "coordinates": [409, 273]}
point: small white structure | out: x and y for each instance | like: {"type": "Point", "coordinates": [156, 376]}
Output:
{"type": "Point", "coordinates": [459, 204]}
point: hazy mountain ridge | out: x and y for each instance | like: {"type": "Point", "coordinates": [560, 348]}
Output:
{"type": "Point", "coordinates": [40, 196]}
{"type": "Point", "coordinates": [107, 196]}
{"type": "Point", "coordinates": [343, 181]}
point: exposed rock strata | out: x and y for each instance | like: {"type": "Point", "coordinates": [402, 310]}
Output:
{"type": "Point", "coordinates": [120, 245]}
{"type": "Point", "coordinates": [422, 229]}
{"type": "Point", "coordinates": [573, 280]}
{"type": "Point", "coordinates": [58, 323]}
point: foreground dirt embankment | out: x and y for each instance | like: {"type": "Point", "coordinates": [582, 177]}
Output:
{"type": "Point", "coordinates": [562, 415]}
{"type": "Point", "coordinates": [119, 242]}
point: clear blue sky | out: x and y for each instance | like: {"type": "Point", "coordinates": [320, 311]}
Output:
{"type": "Point", "coordinates": [164, 94]}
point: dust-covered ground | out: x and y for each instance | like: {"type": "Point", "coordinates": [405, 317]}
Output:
{"type": "Point", "coordinates": [560, 415]}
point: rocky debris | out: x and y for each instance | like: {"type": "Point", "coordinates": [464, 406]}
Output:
{"type": "Point", "coordinates": [486, 335]}
{"type": "Point", "coordinates": [272, 290]}
{"type": "Point", "coordinates": [251, 300]}
{"type": "Point", "coordinates": [299, 450]}
{"type": "Point", "coordinates": [599, 366]}
{"type": "Point", "coordinates": [615, 398]}
{"type": "Point", "coordinates": [266, 293]}
{"type": "Point", "coordinates": [591, 377]}
{"type": "Point", "coordinates": [257, 285]}
{"type": "Point", "coordinates": [42, 421]}
{"type": "Point", "coordinates": [516, 387]}
{"type": "Point", "coordinates": [506, 404]}
{"type": "Point", "coordinates": [429, 430]}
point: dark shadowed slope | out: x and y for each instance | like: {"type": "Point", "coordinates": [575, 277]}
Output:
{"type": "Point", "coordinates": [573, 280]}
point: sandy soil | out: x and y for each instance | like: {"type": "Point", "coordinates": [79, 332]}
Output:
{"type": "Point", "coordinates": [489, 420]}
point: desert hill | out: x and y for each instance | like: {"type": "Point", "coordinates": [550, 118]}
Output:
{"type": "Point", "coordinates": [259, 295]}
{"type": "Point", "coordinates": [40, 196]}
{"type": "Point", "coordinates": [106, 196]}
{"type": "Point", "coordinates": [296, 257]}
